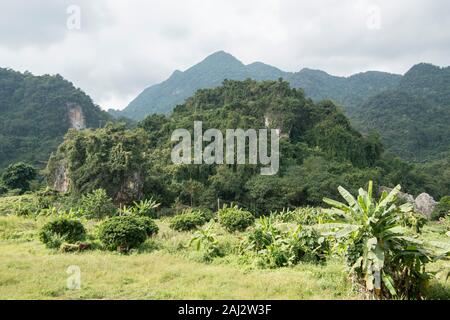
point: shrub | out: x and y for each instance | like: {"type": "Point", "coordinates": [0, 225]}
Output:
{"type": "Point", "coordinates": [235, 219]}
{"type": "Point", "coordinates": [149, 225]}
{"type": "Point", "coordinates": [205, 239]}
{"type": "Point", "coordinates": [382, 256]}
{"type": "Point", "coordinates": [413, 220]}
{"type": "Point", "coordinates": [60, 230]}
{"type": "Point", "coordinates": [69, 247]}
{"type": "Point", "coordinates": [122, 233]}
{"type": "Point", "coordinates": [18, 176]}
{"type": "Point", "coordinates": [446, 223]}
{"type": "Point", "coordinates": [24, 209]}
{"type": "Point", "coordinates": [187, 221]}
{"type": "Point", "coordinates": [442, 208]}
{"type": "Point", "coordinates": [277, 249]}
{"type": "Point", "coordinates": [98, 205]}
{"type": "Point", "coordinates": [263, 235]}
{"type": "Point", "coordinates": [47, 198]}
{"type": "Point", "coordinates": [146, 208]}
{"type": "Point", "coordinates": [304, 216]}
{"type": "Point", "coordinates": [3, 189]}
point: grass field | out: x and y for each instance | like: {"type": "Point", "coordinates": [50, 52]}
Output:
{"type": "Point", "coordinates": [164, 268]}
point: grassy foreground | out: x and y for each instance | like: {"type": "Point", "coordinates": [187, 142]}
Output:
{"type": "Point", "coordinates": [164, 268]}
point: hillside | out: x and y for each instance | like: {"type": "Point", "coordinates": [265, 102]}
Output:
{"type": "Point", "coordinates": [210, 73]}
{"type": "Point", "coordinates": [36, 112]}
{"type": "Point", "coordinates": [414, 118]}
{"type": "Point", "coordinates": [319, 148]}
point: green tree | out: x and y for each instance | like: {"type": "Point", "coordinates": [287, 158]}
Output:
{"type": "Point", "coordinates": [19, 176]}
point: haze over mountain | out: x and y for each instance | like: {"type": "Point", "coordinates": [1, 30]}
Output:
{"type": "Point", "coordinates": [209, 73]}
{"type": "Point", "coordinates": [37, 111]}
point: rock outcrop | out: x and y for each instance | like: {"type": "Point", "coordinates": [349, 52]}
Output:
{"type": "Point", "coordinates": [76, 116]}
{"type": "Point", "coordinates": [131, 189]}
{"type": "Point", "coordinates": [425, 204]}
{"type": "Point", "coordinates": [61, 181]}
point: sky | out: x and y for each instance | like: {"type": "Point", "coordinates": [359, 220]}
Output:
{"type": "Point", "coordinates": [113, 49]}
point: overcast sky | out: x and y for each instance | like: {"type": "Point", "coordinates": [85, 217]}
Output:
{"type": "Point", "coordinates": [123, 46]}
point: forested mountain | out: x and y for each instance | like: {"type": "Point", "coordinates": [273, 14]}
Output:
{"type": "Point", "coordinates": [209, 73]}
{"type": "Point", "coordinates": [319, 151]}
{"type": "Point", "coordinates": [36, 112]}
{"type": "Point", "coordinates": [410, 112]}
{"type": "Point", "coordinates": [414, 118]}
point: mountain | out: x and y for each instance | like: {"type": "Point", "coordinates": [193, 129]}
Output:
{"type": "Point", "coordinates": [319, 148]}
{"type": "Point", "coordinates": [36, 112]}
{"type": "Point", "coordinates": [413, 118]}
{"type": "Point", "coordinates": [210, 73]}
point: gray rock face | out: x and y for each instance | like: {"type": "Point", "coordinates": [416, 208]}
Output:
{"type": "Point", "coordinates": [131, 189]}
{"type": "Point", "coordinates": [76, 116]}
{"type": "Point", "coordinates": [61, 180]}
{"type": "Point", "coordinates": [425, 204]}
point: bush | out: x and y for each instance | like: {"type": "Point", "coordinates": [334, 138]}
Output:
{"type": "Point", "coordinates": [149, 225]}
{"type": "Point", "coordinates": [24, 209]}
{"type": "Point", "coordinates": [122, 233]}
{"type": "Point", "coordinates": [47, 198]}
{"type": "Point", "coordinates": [3, 189]}
{"type": "Point", "coordinates": [205, 239]}
{"type": "Point", "coordinates": [146, 208]}
{"type": "Point", "coordinates": [98, 205]}
{"type": "Point", "coordinates": [187, 221]}
{"type": "Point", "coordinates": [276, 248]}
{"type": "Point", "coordinates": [442, 208]}
{"type": "Point", "coordinates": [413, 220]}
{"type": "Point", "coordinates": [235, 219]}
{"type": "Point", "coordinates": [388, 262]}
{"type": "Point", "coordinates": [60, 230]}
{"type": "Point", "coordinates": [304, 216]}
{"type": "Point", "coordinates": [18, 176]}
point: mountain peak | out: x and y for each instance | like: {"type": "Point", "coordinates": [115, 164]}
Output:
{"type": "Point", "coordinates": [221, 56]}
{"type": "Point", "coordinates": [423, 67]}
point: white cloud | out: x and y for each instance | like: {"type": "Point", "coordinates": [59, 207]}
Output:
{"type": "Point", "coordinates": [126, 45]}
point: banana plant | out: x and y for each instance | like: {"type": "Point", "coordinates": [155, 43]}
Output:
{"type": "Point", "coordinates": [206, 239]}
{"type": "Point", "coordinates": [146, 207]}
{"type": "Point", "coordinates": [389, 261]}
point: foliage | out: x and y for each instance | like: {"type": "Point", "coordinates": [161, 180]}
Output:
{"type": "Point", "coordinates": [150, 227]}
{"type": "Point", "coordinates": [412, 118]}
{"type": "Point", "coordinates": [235, 219]}
{"type": "Point", "coordinates": [18, 176]}
{"type": "Point", "coordinates": [187, 221]}
{"type": "Point", "coordinates": [219, 66]}
{"type": "Point", "coordinates": [304, 216]}
{"type": "Point", "coordinates": [276, 248]}
{"type": "Point", "coordinates": [111, 158]}
{"type": "Point", "coordinates": [414, 220]}
{"type": "Point", "coordinates": [122, 233]}
{"type": "Point", "coordinates": [383, 256]}
{"type": "Point", "coordinates": [97, 205]}
{"type": "Point", "coordinates": [34, 115]}
{"type": "Point", "coordinates": [446, 222]}
{"type": "Point", "coordinates": [320, 151]}
{"type": "Point", "coordinates": [204, 239]}
{"type": "Point", "coordinates": [146, 208]}
{"type": "Point", "coordinates": [442, 208]}
{"type": "Point", "coordinates": [60, 230]}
